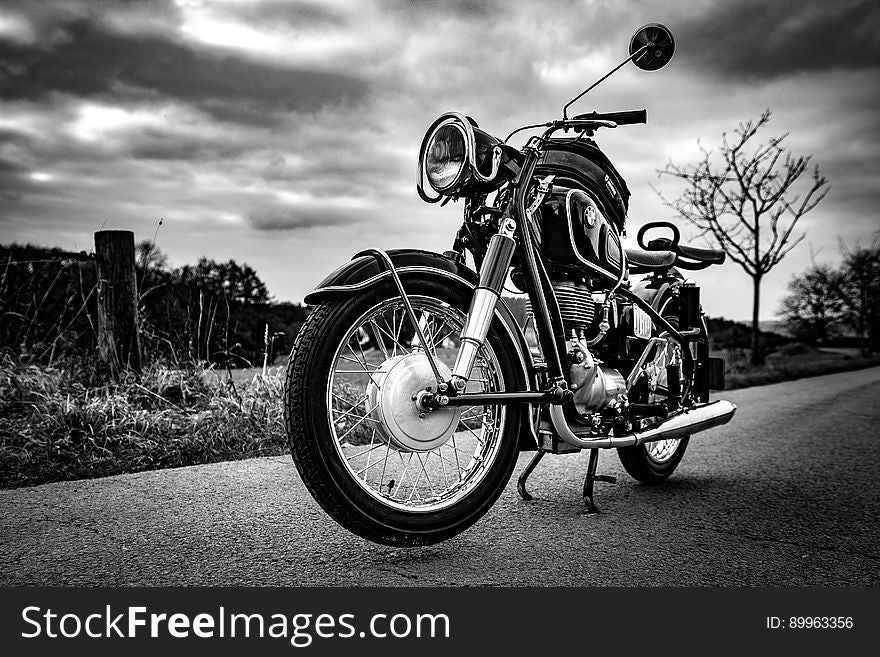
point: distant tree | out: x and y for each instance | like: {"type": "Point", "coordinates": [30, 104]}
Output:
{"type": "Point", "coordinates": [747, 203]}
{"type": "Point", "coordinates": [148, 256]}
{"type": "Point", "coordinates": [239, 283]}
{"type": "Point", "coordinates": [813, 309]}
{"type": "Point", "coordinates": [861, 293]}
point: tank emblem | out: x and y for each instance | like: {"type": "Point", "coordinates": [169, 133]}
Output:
{"type": "Point", "coordinates": [590, 216]}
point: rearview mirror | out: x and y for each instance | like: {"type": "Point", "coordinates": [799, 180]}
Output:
{"type": "Point", "coordinates": [658, 44]}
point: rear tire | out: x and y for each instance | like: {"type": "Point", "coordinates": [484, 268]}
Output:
{"type": "Point", "coordinates": [318, 453]}
{"type": "Point", "coordinates": [653, 463]}
{"type": "Point", "coordinates": [643, 467]}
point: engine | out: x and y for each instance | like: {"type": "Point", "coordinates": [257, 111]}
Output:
{"type": "Point", "coordinates": [595, 386]}
{"type": "Point", "coordinates": [576, 305]}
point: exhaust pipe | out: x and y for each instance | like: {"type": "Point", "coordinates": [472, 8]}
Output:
{"type": "Point", "coordinates": [685, 423]}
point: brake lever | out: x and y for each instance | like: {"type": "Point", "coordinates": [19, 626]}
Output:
{"type": "Point", "coordinates": [591, 124]}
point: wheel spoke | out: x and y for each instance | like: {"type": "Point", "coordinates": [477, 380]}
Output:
{"type": "Point", "coordinates": [415, 485]}
{"type": "Point", "coordinates": [379, 339]}
{"type": "Point", "coordinates": [359, 417]}
{"type": "Point", "coordinates": [372, 442]}
{"type": "Point", "coordinates": [345, 401]}
{"type": "Point", "coordinates": [443, 468]}
{"type": "Point", "coordinates": [355, 360]}
{"type": "Point", "coordinates": [385, 462]}
{"type": "Point", "coordinates": [356, 424]}
{"type": "Point", "coordinates": [448, 333]}
{"type": "Point", "coordinates": [405, 469]}
{"type": "Point", "coordinates": [372, 465]}
{"type": "Point", "coordinates": [479, 440]}
{"type": "Point", "coordinates": [427, 479]}
{"type": "Point", "coordinates": [394, 342]}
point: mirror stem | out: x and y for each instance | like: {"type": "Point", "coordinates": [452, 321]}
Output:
{"type": "Point", "coordinates": [604, 77]}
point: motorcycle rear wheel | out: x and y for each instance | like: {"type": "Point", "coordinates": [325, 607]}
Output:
{"type": "Point", "coordinates": [652, 463]}
{"type": "Point", "coordinates": [359, 463]}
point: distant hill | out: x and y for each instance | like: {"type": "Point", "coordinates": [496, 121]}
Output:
{"type": "Point", "coordinates": [773, 326]}
{"type": "Point", "coordinates": [730, 334]}
{"type": "Point", "coordinates": [767, 326]}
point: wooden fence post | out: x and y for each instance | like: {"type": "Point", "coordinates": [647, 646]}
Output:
{"type": "Point", "coordinates": [119, 343]}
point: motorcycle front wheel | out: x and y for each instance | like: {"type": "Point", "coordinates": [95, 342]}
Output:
{"type": "Point", "coordinates": [374, 460]}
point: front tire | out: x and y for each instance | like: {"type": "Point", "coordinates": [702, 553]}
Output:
{"type": "Point", "coordinates": [358, 463]}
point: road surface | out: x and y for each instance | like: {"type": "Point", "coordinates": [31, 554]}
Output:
{"type": "Point", "coordinates": [787, 494]}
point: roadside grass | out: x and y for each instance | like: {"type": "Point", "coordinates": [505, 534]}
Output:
{"type": "Point", "coordinates": [56, 425]}
{"type": "Point", "coordinates": [793, 361]}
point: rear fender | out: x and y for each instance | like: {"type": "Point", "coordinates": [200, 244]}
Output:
{"type": "Point", "coordinates": [657, 290]}
{"type": "Point", "coordinates": [363, 273]}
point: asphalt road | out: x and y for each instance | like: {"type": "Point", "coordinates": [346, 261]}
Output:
{"type": "Point", "coordinates": [787, 494]}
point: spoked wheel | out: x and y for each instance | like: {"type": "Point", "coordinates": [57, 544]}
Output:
{"type": "Point", "coordinates": [652, 463]}
{"type": "Point", "coordinates": [374, 458]}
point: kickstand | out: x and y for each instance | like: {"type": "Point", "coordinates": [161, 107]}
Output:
{"type": "Point", "coordinates": [592, 477]}
{"type": "Point", "coordinates": [521, 482]}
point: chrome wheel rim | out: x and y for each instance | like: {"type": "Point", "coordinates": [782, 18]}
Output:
{"type": "Point", "coordinates": [411, 480]}
{"type": "Point", "coordinates": [661, 451]}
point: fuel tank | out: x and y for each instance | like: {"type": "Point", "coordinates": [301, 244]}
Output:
{"type": "Point", "coordinates": [581, 219]}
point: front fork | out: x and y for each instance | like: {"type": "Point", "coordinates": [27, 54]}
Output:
{"type": "Point", "coordinates": [493, 273]}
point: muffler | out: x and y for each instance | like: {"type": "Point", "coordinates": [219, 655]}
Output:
{"type": "Point", "coordinates": [684, 423]}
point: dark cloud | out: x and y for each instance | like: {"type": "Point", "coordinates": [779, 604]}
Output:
{"type": "Point", "coordinates": [465, 9]}
{"type": "Point", "coordinates": [287, 219]}
{"type": "Point", "coordinates": [301, 15]}
{"type": "Point", "coordinates": [154, 144]}
{"type": "Point", "coordinates": [760, 39]}
{"type": "Point", "coordinates": [93, 62]}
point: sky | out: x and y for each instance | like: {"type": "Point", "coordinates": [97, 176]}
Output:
{"type": "Point", "coordinates": [285, 134]}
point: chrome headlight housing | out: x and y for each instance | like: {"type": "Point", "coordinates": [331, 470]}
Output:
{"type": "Point", "coordinates": [455, 156]}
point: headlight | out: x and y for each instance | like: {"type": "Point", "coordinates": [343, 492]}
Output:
{"type": "Point", "coordinates": [445, 156]}
{"type": "Point", "coordinates": [456, 158]}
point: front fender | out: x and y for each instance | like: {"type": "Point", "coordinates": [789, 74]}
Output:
{"type": "Point", "coordinates": [363, 272]}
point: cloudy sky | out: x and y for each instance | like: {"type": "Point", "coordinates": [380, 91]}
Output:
{"type": "Point", "coordinates": [285, 134]}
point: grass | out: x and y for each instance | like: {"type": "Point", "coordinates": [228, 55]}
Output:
{"type": "Point", "coordinates": [55, 425]}
{"type": "Point", "coordinates": [794, 361]}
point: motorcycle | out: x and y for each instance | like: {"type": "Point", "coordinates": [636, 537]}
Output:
{"type": "Point", "coordinates": [412, 388]}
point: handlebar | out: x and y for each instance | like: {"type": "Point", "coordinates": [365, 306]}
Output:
{"type": "Point", "coordinates": [620, 118]}
{"type": "Point", "coordinates": [589, 122]}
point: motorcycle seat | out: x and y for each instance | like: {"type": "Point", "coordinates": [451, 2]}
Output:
{"type": "Point", "coordinates": [696, 254]}
{"type": "Point", "coordinates": [641, 262]}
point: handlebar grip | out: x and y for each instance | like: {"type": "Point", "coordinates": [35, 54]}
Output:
{"type": "Point", "coordinates": [620, 118]}
{"type": "Point", "coordinates": [627, 118]}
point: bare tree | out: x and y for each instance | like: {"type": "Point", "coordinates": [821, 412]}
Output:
{"type": "Point", "coordinates": [744, 199]}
